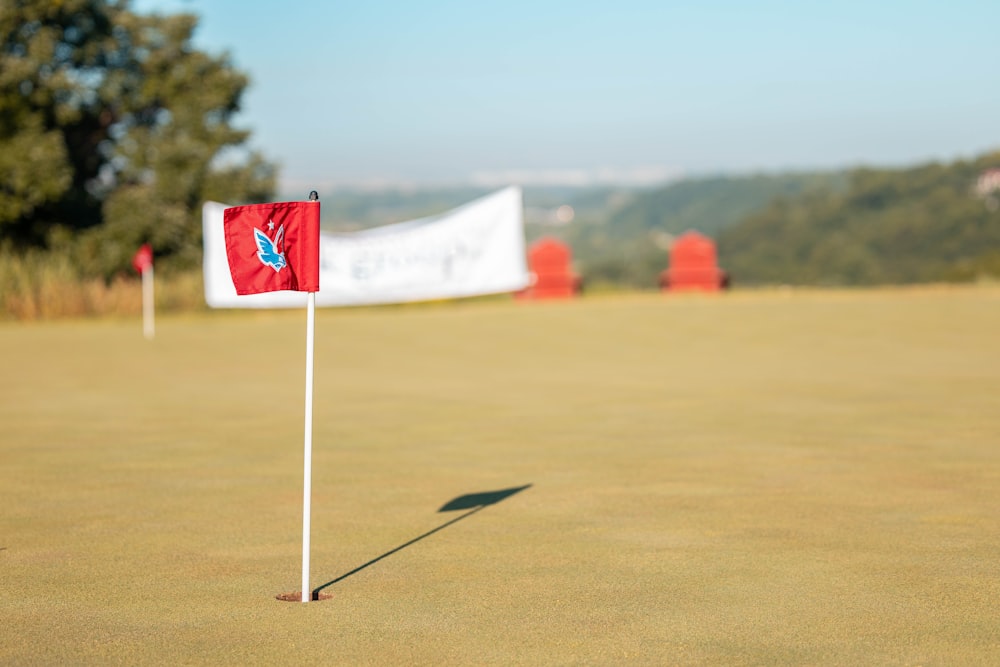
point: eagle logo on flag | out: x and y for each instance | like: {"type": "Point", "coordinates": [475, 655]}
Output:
{"type": "Point", "coordinates": [267, 250]}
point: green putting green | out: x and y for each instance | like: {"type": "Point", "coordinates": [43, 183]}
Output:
{"type": "Point", "coordinates": [774, 477]}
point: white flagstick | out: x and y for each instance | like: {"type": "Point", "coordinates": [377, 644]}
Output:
{"type": "Point", "coordinates": [307, 468]}
{"type": "Point", "coordinates": [147, 301]}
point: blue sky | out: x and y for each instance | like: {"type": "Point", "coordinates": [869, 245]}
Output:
{"type": "Point", "coordinates": [573, 91]}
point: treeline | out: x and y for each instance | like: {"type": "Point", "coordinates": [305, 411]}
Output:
{"type": "Point", "coordinates": [928, 223]}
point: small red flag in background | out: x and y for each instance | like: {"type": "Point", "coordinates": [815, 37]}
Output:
{"type": "Point", "coordinates": [273, 247]}
{"type": "Point", "coordinates": [143, 258]}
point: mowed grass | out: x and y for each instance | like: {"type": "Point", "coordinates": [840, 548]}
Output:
{"type": "Point", "coordinates": [752, 478]}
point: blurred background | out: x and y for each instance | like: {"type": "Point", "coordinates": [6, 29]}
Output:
{"type": "Point", "coordinates": [831, 144]}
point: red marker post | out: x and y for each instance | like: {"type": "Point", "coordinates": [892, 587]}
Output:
{"type": "Point", "coordinates": [142, 262]}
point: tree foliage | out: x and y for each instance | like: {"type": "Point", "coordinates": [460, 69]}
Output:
{"type": "Point", "coordinates": [921, 224]}
{"type": "Point", "coordinates": [113, 131]}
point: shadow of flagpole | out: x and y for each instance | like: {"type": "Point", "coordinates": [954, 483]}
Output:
{"type": "Point", "coordinates": [474, 502]}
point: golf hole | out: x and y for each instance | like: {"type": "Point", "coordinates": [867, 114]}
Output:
{"type": "Point", "coordinates": [297, 596]}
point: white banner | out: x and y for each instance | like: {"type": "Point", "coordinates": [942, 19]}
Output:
{"type": "Point", "coordinates": [475, 249]}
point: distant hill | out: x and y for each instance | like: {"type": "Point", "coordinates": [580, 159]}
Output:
{"type": "Point", "coordinates": [712, 204]}
{"type": "Point", "coordinates": [931, 222]}
{"type": "Point", "coordinates": [627, 245]}
{"type": "Point", "coordinates": [927, 223]}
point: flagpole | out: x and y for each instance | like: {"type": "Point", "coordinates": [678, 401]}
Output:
{"type": "Point", "coordinates": [307, 467]}
{"type": "Point", "coordinates": [307, 454]}
{"type": "Point", "coordinates": [147, 301]}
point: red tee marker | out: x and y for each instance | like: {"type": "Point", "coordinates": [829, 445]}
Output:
{"type": "Point", "coordinates": [693, 265]}
{"type": "Point", "coordinates": [553, 278]}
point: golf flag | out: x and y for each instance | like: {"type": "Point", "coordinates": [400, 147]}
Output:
{"type": "Point", "coordinates": [143, 258]}
{"type": "Point", "coordinates": [142, 262]}
{"type": "Point", "coordinates": [273, 247]}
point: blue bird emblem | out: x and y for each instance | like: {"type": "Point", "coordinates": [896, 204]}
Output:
{"type": "Point", "coordinates": [267, 250]}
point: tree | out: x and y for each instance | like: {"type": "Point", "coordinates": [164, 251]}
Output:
{"type": "Point", "coordinates": [890, 226]}
{"type": "Point", "coordinates": [113, 130]}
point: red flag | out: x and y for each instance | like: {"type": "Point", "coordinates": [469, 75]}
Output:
{"type": "Point", "coordinates": [273, 246]}
{"type": "Point", "coordinates": [143, 258]}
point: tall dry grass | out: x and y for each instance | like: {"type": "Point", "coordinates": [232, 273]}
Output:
{"type": "Point", "coordinates": [46, 286]}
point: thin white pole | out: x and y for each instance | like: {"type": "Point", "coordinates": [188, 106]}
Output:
{"type": "Point", "coordinates": [147, 302]}
{"type": "Point", "coordinates": [307, 467]}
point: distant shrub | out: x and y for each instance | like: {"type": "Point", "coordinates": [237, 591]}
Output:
{"type": "Point", "coordinates": [36, 285]}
